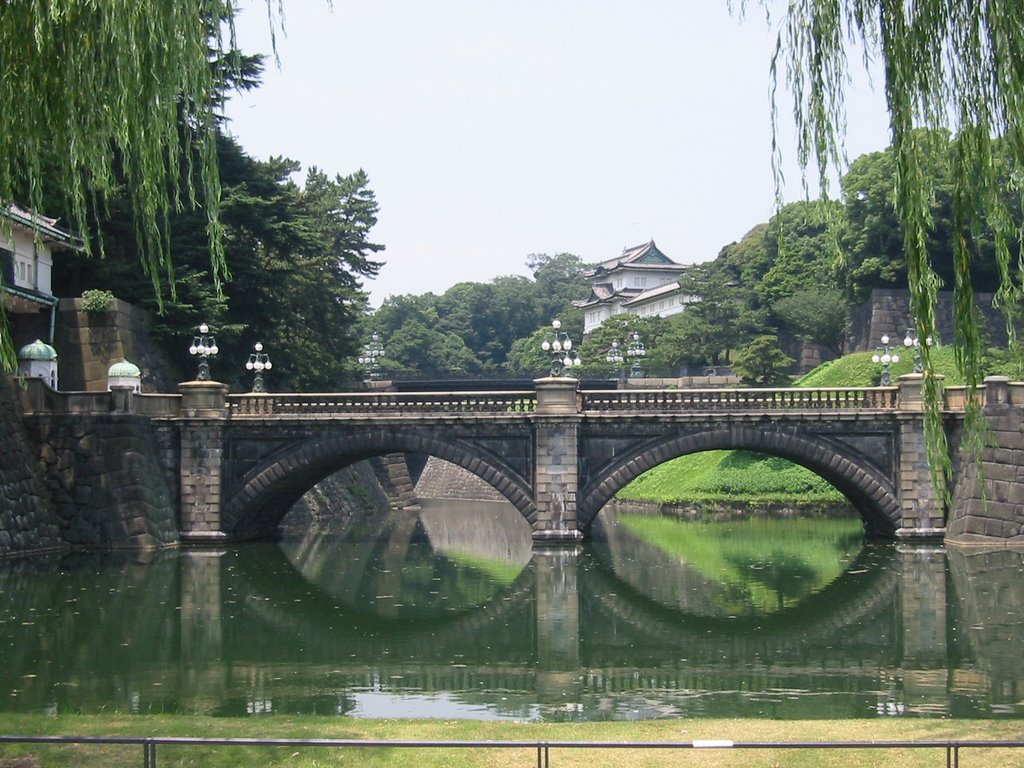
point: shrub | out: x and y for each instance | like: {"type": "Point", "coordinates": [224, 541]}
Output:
{"type": "Point", "coordinates": [97, 302]}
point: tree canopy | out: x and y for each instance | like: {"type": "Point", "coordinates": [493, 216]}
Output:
{"type": "Point", "coordinates": [947, 65]}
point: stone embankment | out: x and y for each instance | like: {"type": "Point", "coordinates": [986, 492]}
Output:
{"type": "Point", "coordinates": [988, 496]}
{"type": "Point", "coordinates": [105, 480]}
{"type": "Point", "coordinates": [27, 519]}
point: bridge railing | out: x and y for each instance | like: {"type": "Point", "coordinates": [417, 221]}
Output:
{"type": "Point", "coordinates": [370, 403]}
{"type": "Point", "coordinates": [793, 398]}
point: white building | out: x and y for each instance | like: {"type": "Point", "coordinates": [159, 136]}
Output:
{"type": "Point", "coordinates": [27, 243]}
{"type": "Point", "coordinates": [642, 281]}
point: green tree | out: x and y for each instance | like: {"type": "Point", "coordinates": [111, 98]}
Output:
{"type": "Point", "coordinates": [946, 66]}
{"type": "Point", "coordinates": [721, 316]}
{"type": "Point", "coordinates": [296, 255]}
{"type": "Point", "coordinates": [815, 316]}
{"type": "Point", "coordinates": [800, 251]}
{"type": "Point", "coordinates": [760, 363]}
{"type": "Point", "coordinates": [620, 328]}
{"type": "Point", "coordinates": [873, 238]}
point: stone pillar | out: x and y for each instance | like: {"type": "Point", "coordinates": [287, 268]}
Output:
{"type": "Point", "coordinates": [923, 509]}
{"type": "Point", "coordinates": [204, 415]}
{"type": "Point", "coordinates": [556, 466]}
{"type": "Point", "coordinates": [556, 598]}
{"type": "Point", "coordinates": [997, 390]}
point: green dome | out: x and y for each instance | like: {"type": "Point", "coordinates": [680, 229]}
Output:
{"type": "Point", "coordinates": [123, 370]}
{"type": "Point", "coordinates": [37, 350]}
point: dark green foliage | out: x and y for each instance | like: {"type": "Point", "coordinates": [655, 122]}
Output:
{"type": "Point", "coordinates": [482, 328]}
{"type": "Point", "coordinates": [295, 255]}
{"type": "Point", "coordinates": [815, 316]}
{"type": "Point", "coordinates": [761, 363]}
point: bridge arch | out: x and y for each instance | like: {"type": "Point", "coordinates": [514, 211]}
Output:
{"type": "Point", "coordinates": [266, 492]}
{"type": "Point", "coordinates": [871, 492]}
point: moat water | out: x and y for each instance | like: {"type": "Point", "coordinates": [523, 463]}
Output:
{"type": "Point", "coordinates": [450, 613]}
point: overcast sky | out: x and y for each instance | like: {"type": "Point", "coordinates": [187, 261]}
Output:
{"type": "Point", "coordinates": [492, 130]}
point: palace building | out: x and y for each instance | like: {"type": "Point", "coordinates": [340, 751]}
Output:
{"type": "Point", "coordinates": [641, 281]}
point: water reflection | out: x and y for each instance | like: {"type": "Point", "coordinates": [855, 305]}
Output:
{"type": "Point", "coordinates": [449, 613]}
{"type": "Point", "coordinates": [741, 567]}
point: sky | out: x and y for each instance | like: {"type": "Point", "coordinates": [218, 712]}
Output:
{"type": "Point", "coordinates": [494, 130]}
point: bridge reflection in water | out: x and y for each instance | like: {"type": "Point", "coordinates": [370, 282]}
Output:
{"type": "Point", "coordinates": [434, 613]}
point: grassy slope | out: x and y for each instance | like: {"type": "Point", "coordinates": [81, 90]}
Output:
{"type": "Point", "coordinates": [741, 476]}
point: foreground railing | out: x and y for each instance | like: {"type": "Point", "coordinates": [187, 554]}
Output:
{"type": "Point", "coordinates": [835, 398]}
{"type": "Point", "coordinates": [370, 403]}
{"type": "Point", "coordinates": [950, 748]}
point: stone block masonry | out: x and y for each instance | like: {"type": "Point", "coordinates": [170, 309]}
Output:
{"type": "Point", "coordinates": [988, 501]}
{"type": "Point", "coordinates": [28, 523]}
{"type": "Point", "coordinates": [104, 476]}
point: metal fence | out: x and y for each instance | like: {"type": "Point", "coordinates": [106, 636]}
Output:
{"type": "Point", "coordinates": [950, 750]}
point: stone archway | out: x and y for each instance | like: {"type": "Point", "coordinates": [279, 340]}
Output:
{"type": "Point", "coordinates": [871, 492]}
{"type": "Point", "coordinates": [265, 493]}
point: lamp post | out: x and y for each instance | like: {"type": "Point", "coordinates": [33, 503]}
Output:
{"type": "Point", "coordinates": [203, 346]}
{"type": "Point", "coordinates": [886, 355]}
{"type": "Point", "coordinates": [559, 345]}
{"type": "Point", "coordinates": [614, 358]}
{"type": "Point", "coordinates": [373, 351]}
{"type": "Point", "coordinates": [912, 341]}
{"type": "Point", "coordinates": [636, 351]}
{"type": "Point", "coordinates": [259, 361]}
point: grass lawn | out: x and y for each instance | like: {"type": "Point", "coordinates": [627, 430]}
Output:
{"type": "Point", "coordinates": [919, 730]}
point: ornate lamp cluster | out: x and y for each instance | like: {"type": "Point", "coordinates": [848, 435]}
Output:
{"type": "Point", "coordinates": [614, 356]}
{"type": "Point", "coordinates": [635, 351]}
{"type": "Point", "coordinates": [886, 355]}
{"type": "Point", "coordinates": [204, 346]}
{"type": "Point", "coordinates": [259, 361]}
{"type": "Point", "coordinates": [559, 346]}
{"type": "Point", "coordinates": [911, 341]}
{"type": "Point", "coordinates": [373, 351]}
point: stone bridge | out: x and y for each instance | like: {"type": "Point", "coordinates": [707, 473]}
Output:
{"type": "Point", "coordinates": [556, 452]}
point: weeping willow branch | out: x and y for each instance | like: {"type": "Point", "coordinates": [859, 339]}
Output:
{"type": "Point", "coordinates": [95, 94]}
{"type": "Point", "coordinates": [950, 65]}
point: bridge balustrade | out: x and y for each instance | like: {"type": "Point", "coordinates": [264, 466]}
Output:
{"type": "Point", "coordinates": [835, 398]}
{"type": "Point", "coordinates": [371, 403]}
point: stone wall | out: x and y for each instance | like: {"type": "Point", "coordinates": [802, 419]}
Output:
{"type": "Point", "coordinates": [988, 496]}
{"type": "Point", "coordinates": [888, 312]}
{"type": "Point", "coordinates": [87, 343]}
{"type": "Point", "coordinates": [339, 500]}
{"type": "Point", "coordinates": [441, 479]}
{"type": "Point", "coordinates": [27, 519]}
{"type": "Point", "coordinates": [105, 480]}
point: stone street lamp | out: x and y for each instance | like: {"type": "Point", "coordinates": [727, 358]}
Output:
{"type": "Point", "coordinates": [373, 351]}
{"type": "Point", "coordinates": [559, 346]}
{"type": "Point", "coordinates": [204, 346]}
{"type": "Point", "coordinates": [636, 351]}
{"type": "Point", "coordinates": [259, 361]}
{"type": "Point", "coordinates": [886, 355]}
{"type": "Point", "coordinates": [911, 341]}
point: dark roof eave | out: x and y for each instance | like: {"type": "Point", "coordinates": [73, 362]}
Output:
{"type": "Point", "coordinates": [39, 298]}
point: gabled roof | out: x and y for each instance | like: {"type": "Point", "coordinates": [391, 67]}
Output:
{"type": "Point", "coordinates": [602, 293]}
{"type": "Point", "coordinates": [654, 293]}
{"type": "Point", "coordinates": [44, 226]}
{"type": "Point", "coordinates": [646, 256]}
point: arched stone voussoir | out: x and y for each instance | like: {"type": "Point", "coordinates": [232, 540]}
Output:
{"type": "Point", "coordinates": [869, 490]}
{"type": "Point", "coordinates": [266, 492]}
